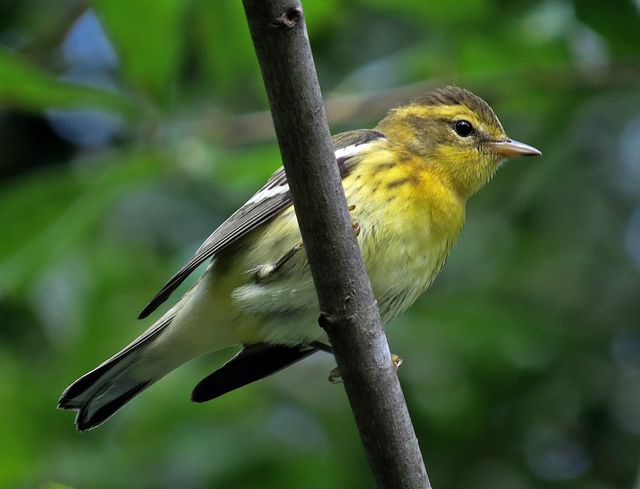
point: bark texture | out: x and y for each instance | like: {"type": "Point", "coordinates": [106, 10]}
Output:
{"type": "Point", "coordinates": [349, 311]}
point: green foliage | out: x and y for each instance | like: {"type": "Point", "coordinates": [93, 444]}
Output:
{"type": "Point", "coordinates": [27, 87]}
{"type": "Point", "coordinates": [135, 30]}
{"type": "Point", "coordinates": [521, 363]}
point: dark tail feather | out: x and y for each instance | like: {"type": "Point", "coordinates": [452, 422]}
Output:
{"type": "Point", "coordinates": [85, 422]}
{"type": "Point", "coordinates": [254, 362]}
{"type": "Point", "coordinates": [100, 393]}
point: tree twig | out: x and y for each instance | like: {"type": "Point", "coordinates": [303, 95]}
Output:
{"type": "Point", "coordinates": [344, 108]}
{"type": "Point", "coordinates": [349, 312]}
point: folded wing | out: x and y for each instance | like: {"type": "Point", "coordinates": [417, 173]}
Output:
{"type": "Point", "coordinates": [266, 204]}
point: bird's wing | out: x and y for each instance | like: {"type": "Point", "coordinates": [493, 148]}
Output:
{"type": "Point", "coordinates": [266, 204]}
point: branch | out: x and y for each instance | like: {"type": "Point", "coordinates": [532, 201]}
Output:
{"type": "Point", "coordinates": [349, 312]}
{"type": "Point", "coordinates": [343, 108]}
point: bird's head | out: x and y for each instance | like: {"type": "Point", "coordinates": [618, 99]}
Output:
{"type": "Point", "coordinates": [456, 134]}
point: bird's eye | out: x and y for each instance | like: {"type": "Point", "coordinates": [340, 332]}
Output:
{"type": "Point", "coordinates": [463, 128]}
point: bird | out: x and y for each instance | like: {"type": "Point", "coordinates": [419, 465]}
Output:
{"type": "Point", "coordinates": [406, 181]}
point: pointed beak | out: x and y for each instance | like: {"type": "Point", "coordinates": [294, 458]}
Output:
{"type": "Point", "coordinates": [511, 149]}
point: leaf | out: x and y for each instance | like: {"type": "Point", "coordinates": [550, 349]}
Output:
{"type": "Point", "coordinates": [148, 37]}
{"type": "Point", "coordinates": [48, 213]}
{"type": "Point", "coordinates": [217, 25]}
{"type": "Point", "coordinates": [619, 26]}
{"type": "Point", "coordinates": [445, 12]}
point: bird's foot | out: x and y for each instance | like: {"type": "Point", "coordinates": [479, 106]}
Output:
{"type": "Point", "coordinates": [355, 223]}
{"type": "Point", "coordinates": [265, 272]}
{"type": "Point", "coordinates": [356, 227]}
{"type": "Point", "coordinates": [335, 377]}
{"type": "Point", "coordinates": [396, 360]}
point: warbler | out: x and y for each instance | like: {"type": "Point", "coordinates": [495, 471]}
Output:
{"type": "Point", "coordinates": [406, 181]}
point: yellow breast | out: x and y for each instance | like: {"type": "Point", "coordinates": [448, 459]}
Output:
{"type": "Point", "coordinates": [409, 219]}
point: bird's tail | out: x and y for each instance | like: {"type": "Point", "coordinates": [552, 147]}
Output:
{"type": "Point", "coordinates": [101, 392]}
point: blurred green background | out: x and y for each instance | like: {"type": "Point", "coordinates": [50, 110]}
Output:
{"type": "Point", "coordinates": [130, 129]}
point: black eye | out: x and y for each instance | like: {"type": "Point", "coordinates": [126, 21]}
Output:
{"type": "Point", "coordinates": [463, 128]}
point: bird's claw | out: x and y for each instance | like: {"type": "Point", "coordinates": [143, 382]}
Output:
{"type": "Point", "coordinates": [356, 227]}
{"type": "Point", "coordinates": [335, 377]}
{"type": "Point", "coordinates": [355, 223]}
{"type": "Point", "coordinates": [264, 272]}
{"type": "Point", "coordinates": [396, 360]}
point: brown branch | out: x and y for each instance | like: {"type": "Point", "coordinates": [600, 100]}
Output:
{"type": "Point", "coordinates": [349, 311]}
{"type": "Point", "coordinates": [255, 127]}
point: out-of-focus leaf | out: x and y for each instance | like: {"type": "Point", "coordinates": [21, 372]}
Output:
{"type": "Point", "coordinates": [319, 15]}
{"type": "Point", "coordinates": [437, 11]}
{"type": "Point", "coordinates": [619, 26]}
{"type": "Point", "coordinates": [148, 37]}
{"type": "Point", "coordinates": [28, 87]}
{"type": "Point", "coordinates": [61, 208]}
{"type": "Point", "coordinates": [233, 72]}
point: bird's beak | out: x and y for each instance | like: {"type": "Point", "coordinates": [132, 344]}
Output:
{"type": "Point", "coordinates": [510, 149]}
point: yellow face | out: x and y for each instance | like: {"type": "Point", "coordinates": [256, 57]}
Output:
{"type": "Point", "coordinates": [456, 134]}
